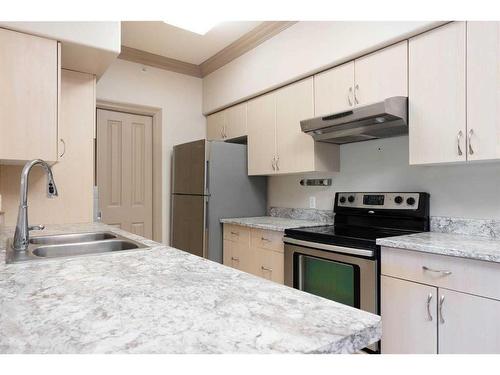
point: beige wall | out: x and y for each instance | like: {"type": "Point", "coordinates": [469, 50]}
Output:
{"type": "Point", "coordinates": [461, 190]}
{"type": "Point", "coordinates": [300, 50]}
{"type": "Point", "coordinates": [180, 98]}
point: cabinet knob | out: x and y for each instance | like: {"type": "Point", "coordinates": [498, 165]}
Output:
{"type": "Point", "coordinates": [266, 269]}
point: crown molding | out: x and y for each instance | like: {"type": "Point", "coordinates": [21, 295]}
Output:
{"type": "Point", "coordinates": [247, 42]}
{"type": "Point", "coordinates": [157, 61]}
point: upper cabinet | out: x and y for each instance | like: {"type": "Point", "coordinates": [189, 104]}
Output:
{"type": "Point", "coordinates": [483, 90]}
{"type": "Point", "coordinates": [381, 74]}
{"type": "Point", "coordinates": [276, 143]}
{"type": "Point", "coordinates": [215, 126]}
{"type": "Point", "coordinates": [333, 90]}
{"type": "Point", "coordinates": [437, 80]}
{"type": "Point", "coordinates": [454, 106]}
{"type": "Point", "coordinates": [366, 80]}
{"type": "Point", "coordinates": [29, 88]}
{"type": "Point", "coordinates": [228, 124]}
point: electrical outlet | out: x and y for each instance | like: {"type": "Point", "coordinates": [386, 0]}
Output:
{"type": "Point", "coordinates": [312, 202]}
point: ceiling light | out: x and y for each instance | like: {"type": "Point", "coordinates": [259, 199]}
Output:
{"type": "Point", "coordinates": [197, 26]}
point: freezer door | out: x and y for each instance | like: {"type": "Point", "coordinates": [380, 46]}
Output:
{"type": "Point", "coordinates": [189, 164]}
{"type": "Point", "coordinates": [188, 223]}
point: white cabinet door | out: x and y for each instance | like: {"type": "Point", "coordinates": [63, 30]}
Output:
{"type": "Point", "coordinates": [468, 324]}
{"type": "Point", "coordinates": [409, 314]}
{"type": "Point", "coordinates": [333, 90]}
{"type": "Point", "coordinates": [215, 126]}
{"type": "Point", "coordinates": [29, 97]}
{"type": "Point", "coordinates": [261, 115]}
{"type": "Point", "coordinates": [236, 121]}
{"type": "Point", "coordinates": [483, 90]}
{"type": "Point", "coordinates": [381, 74]}
{"type": "Point", "coordinates": [437, 113]}
{"type": "Point", "coordinates": [294, 148]}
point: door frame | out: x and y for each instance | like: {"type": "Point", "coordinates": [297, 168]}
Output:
{"type": "Point", "coordinates": [156, 114]}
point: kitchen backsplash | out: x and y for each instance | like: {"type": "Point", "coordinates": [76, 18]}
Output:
{"type": "Point", "coordinates": [323, 216]}
{"type": "Point", "coordinates": [443, 224]}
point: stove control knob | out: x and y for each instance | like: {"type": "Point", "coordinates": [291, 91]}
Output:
{"type": "Point", "coordinates": [410, 201]}
{"type": "Point", "coordinates": [398, 199]}
{"type": "Point", "coordinates": [350, 198]}
{"type": "Point", "coordinates": [342, 199]}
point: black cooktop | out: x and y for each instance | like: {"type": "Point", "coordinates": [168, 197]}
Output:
{"type": "Point", "coordinates": [350, 236]}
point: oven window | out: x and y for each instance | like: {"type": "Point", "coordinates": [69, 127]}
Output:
{"type": "Point", "coordinates": [336, 281]}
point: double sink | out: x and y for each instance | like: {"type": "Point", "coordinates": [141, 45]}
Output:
{"type": "Point", "coordinates": [71, 245]}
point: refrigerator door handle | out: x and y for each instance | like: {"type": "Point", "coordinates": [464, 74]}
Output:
{"type": "Point", "coordinates": [207, 177]}
{"type": "Point", "coordinates": [206, 232]}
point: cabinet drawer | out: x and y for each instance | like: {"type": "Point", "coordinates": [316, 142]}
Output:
{"type": "Point", "coordinates": [268, 264]}
{"type": "Point", "coordinates": [465, 275]}
{"type": "Point", "coordinates": [267, 239]}
{"type": "Point", "coordinates": [236, 233]}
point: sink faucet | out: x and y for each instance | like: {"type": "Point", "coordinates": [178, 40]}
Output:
{"type": "Point", "coordinates": [21, 236]}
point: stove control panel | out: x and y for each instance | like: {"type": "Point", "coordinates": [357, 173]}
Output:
{"type": "Point", "coordinates": [387, 201]}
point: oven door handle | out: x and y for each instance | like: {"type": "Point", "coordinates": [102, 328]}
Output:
{"type": "Point", "coordinates": [322, 246]}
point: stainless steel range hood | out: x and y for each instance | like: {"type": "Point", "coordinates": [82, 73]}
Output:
{"type": "Point", "coordinates": [379, 120]}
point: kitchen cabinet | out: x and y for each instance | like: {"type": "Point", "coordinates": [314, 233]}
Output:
{"type": "Point", "coordinates": [369, 79]}
{"type": "Point", "coordinates": [428, 296]}
{"type": "Point", "coordinates": [437, 95]}
{"type": "Point", "coordinates": [29, 88]}
{"type": "Point", "coordinates": [74, 170]}
{"type": "Point", "coordinates": [236, 121]}
{"type": "Point", "coordinates": [276, 143]}
{"type": "Point", "coordinates": [409, 313]}
{"type": "Point", "coordinates": [333, 90]}
{"type": "Point", "coordinates": [262, 135]}
{"type": "Point", "coordinates": [228, 124]}
{"type": "Point", "coordinates": [381, 75]}
{"type": "Point", "coordinates": [468, 324]}
{"type": "Point", "coordinates": [256, 251]}
{"type": "Point", "coordinates": [215, 126]}
{"type": "Point", "coordinates": [483, 90]}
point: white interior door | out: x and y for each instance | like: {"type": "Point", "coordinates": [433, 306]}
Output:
{"type": "Point", "coordinates": [124, 171]}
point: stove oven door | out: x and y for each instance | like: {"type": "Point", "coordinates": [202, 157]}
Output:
{"type": "Point", "coordinates": [339, 273]}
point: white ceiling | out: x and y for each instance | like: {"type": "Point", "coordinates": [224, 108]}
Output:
{"type": "Point", "coordinates": [162, 39]}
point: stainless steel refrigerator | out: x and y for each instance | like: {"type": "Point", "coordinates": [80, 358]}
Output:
{"type": "Point", "coordinates": [210, 182]}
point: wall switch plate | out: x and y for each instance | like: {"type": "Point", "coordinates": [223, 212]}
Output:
{"type": "Point", "coordinates": [312, 202]}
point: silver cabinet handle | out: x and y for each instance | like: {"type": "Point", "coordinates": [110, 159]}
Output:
{"type": "Point", "coordinates": [266, 269]}
{"type": "Point", "coordinates": [349, 96]}
{"type": "Point", "coordinates": [36, 227]}
{"type": "Point", "coordinates": [471, 151]}
{"type": "Point", "coordinates": [222, 132]}
{"type": "Point", "coordinates": [429, 299]}
{"type": "Point", "coordinates": [64, 149]}
{"type": "Point", "coordinates": [235, 259]}
{"type": "Point", "coordinates": [356, 89]}
{"type": "Point", "coordinates": [441, 302]}
{"type": "Point", "coordinates": [265, 239]}
{"type": "Point", "coordinates": [225, 131]}
{"type": "Point", "coordinates": [443, 272]}
{"type": "Point", "coordinates": [235, 233]}
{"type": "Point", "coordinates": [459, 149]}
{"type": "Point", "coordinates": [277, 163]}
{"type": "Point", "coordinates": [273, 163]}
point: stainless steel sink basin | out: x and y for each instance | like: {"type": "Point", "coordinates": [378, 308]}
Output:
{"type": "Point", "coordinates": [71, 238]}
{"type": "Point", "coordinates": [73, 249]}
{"type": "Point", "coordinates": [71, 245]}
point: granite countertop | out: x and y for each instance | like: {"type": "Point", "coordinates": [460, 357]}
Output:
{"type": "Point", "coordinates": [163, 300]}
{"type": "Point", "coordinates": [271, 222]}
{"type": "Point", "coordinates": [458, 245]}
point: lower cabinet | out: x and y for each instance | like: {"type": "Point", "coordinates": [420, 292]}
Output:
{"type": "Point", "coordinates": [255, 251]}
{"type": "Point", "coordinates": [421, 316]}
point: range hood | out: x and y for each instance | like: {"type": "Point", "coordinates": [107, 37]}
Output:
{"type": "Point", "coordinates": [379, 120]}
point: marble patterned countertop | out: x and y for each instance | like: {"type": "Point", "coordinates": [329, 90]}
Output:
{"type": "Point", "coordinates": [458, 245]}
{"type": "Point", "coordinates": [271, 222]}
{"type": "Point", "coordinates": [163, 300]}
